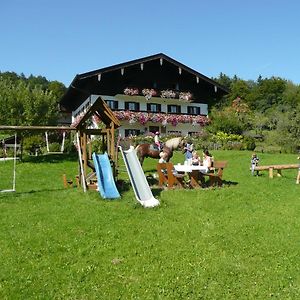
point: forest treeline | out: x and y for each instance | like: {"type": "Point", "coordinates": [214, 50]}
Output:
{"type": "Point", "coordinates": [268, 109]}
{"type": "Point", "coordinates": [265, 110]}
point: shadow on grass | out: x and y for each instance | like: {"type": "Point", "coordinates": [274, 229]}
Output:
{"type": "Point", "coordinates": [18, 194]}
{"type": "Point", "coordinates": [51, 158]}
{"type": "Point", "coordinates": [229, 183]}
{"type": "Point", "coordinates": [124, 185]}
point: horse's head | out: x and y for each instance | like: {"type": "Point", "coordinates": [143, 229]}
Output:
{"type": "Point", "coordinates": [182, 143]}
{"type": "Point", "coordinates": [174, 143]}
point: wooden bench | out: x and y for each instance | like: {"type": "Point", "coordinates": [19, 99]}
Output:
{"type": "Point", "coordinates": [215, 173]}
{"type": "Point", "coordinates": [166, 175]}
{"type": "Point", "coordinates": [278, 168]}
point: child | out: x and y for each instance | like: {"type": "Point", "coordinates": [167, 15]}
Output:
{"type": "Point", "coordinates": [188, 149]}
{"type": "Point", "coordinates": [195, 159]}
{"type": "Point", "coordinates": [254, 163]}
{"type": "Point", "coordinates": [163, 157]}
{"type": "Point", "coordinates": [157, 141]}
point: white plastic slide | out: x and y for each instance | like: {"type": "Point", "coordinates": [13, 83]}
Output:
{"type": "Point", "coordinates": [138, 180]}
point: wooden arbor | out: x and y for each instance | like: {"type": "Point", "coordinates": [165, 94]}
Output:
{"type": "Point", "coordinates": [101, 111]}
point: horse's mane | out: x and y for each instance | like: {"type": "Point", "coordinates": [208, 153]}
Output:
{"type": "Point", "coordinates": [174, 142]}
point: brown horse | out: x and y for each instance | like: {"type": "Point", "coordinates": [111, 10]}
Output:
{"type": "Point", "coordinates": [149, 150]}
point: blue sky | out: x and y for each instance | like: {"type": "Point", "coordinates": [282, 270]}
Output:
{"type": "Point", "coordinates": [61, 38]}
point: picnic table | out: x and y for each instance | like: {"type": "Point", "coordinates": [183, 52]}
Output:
{"type": "Point", "coordinates": [197, 173]}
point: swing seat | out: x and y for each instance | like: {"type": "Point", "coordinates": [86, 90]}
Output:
{"type": "Point", "coordinates": [62, 147]}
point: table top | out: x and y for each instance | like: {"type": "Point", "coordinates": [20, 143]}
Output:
{"type": "Point", "coordinates": [187, 168]}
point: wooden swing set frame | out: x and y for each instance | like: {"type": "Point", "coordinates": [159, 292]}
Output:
{"type": "Point", "coordinates": [83, 135]}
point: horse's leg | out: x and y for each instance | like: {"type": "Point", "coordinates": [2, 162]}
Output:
{"type": "Point", "coordinates": [141, 159]}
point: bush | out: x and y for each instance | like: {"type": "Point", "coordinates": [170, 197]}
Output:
{"type": "Point", "coordinates": [249, 143]}
{"type": "Point", "coordinates": [69, 145]}
{"type": "Point", "coordinates": [32, 143]}
{"type": "Point", "coordinates": [54, 147]}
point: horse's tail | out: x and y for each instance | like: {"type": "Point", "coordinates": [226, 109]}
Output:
{"type": "Point", "coordinates": [137, 148]}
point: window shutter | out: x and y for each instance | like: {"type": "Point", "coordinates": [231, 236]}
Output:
{"type": "Point", "coordinates": [178, 109]}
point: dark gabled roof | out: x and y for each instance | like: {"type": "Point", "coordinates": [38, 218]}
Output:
{"type": "Point", "coordinates": [156, 71]}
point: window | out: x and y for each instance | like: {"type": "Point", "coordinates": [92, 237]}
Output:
{"type": "Point", "coordinates": [193, 133]}
{"type": "Point", "coordinates": [132, 106]}
{"type": "Point", "coordinates": [112, 104]}
{"type": "Point", "coordinates": [132, 132]}
{"type": "Point", "coordinates": [174, 109]}
{"type": "Point", "coordinates": [153, 129]}
{"type": "Point", "coordinates": [153, 107]}
{"type": "Point", "coordinates": [193, 110]}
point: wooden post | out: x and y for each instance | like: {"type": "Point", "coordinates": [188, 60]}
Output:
{"type": "Point", "coordinates": [84, 153]}
{"type": "Point", "coordinates": [108, 140]}
{"type": "Point", "coordinates": [67, 183]}
{"type": "Point", "coordinates": [90, 148]}
{"type": "Point", "coordinates": [112, 144]}
{"type": "Point", "coordinates": [271, 172]}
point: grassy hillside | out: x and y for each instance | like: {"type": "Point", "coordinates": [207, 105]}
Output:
{"type": "Point", "coordinates": [236, 242]}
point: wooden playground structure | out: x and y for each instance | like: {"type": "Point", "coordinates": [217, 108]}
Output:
{"type": "Point", "coordinates": [101, 111]}
{"type": "Point", "coordinates": [84, 136]}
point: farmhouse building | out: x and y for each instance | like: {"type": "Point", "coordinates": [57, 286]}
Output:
{"type": "Point", "coordinates": [154, 93]}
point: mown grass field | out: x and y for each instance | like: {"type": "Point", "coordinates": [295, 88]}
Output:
{"type": "Point", "coordinates": [240, 241]}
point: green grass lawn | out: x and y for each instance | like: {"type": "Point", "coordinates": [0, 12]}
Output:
{"type": "Point", "coordinates": [240, 241]}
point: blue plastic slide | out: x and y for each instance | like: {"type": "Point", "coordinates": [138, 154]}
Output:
{"type": "Point", "coordinates": [106, 183]}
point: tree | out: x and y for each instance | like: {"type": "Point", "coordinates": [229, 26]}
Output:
{"type": "Point", "coordinates": [57, 88]}
{"type": "Point", "coordinates": [22, 105]}
{"type": "Point", "coordinates": [266, 94]}
{"type": "Point", "coordinates": [226, 120]}
{"type": "Point", "coordinates": [224, 80]}
{"type": "Point", "coordinates": [291, 95]}
{"type": "Point", "coordinates": [288, 130]}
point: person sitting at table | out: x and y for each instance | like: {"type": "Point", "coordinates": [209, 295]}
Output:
{"type": "Point", "coordinates": [196, 159]}
{"type": "Point", "coordinates": [207, 161]}
{"type": "Point", "coordinates": [163, 157]}
{"type": "Point", "coordinates": [162, 160]}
